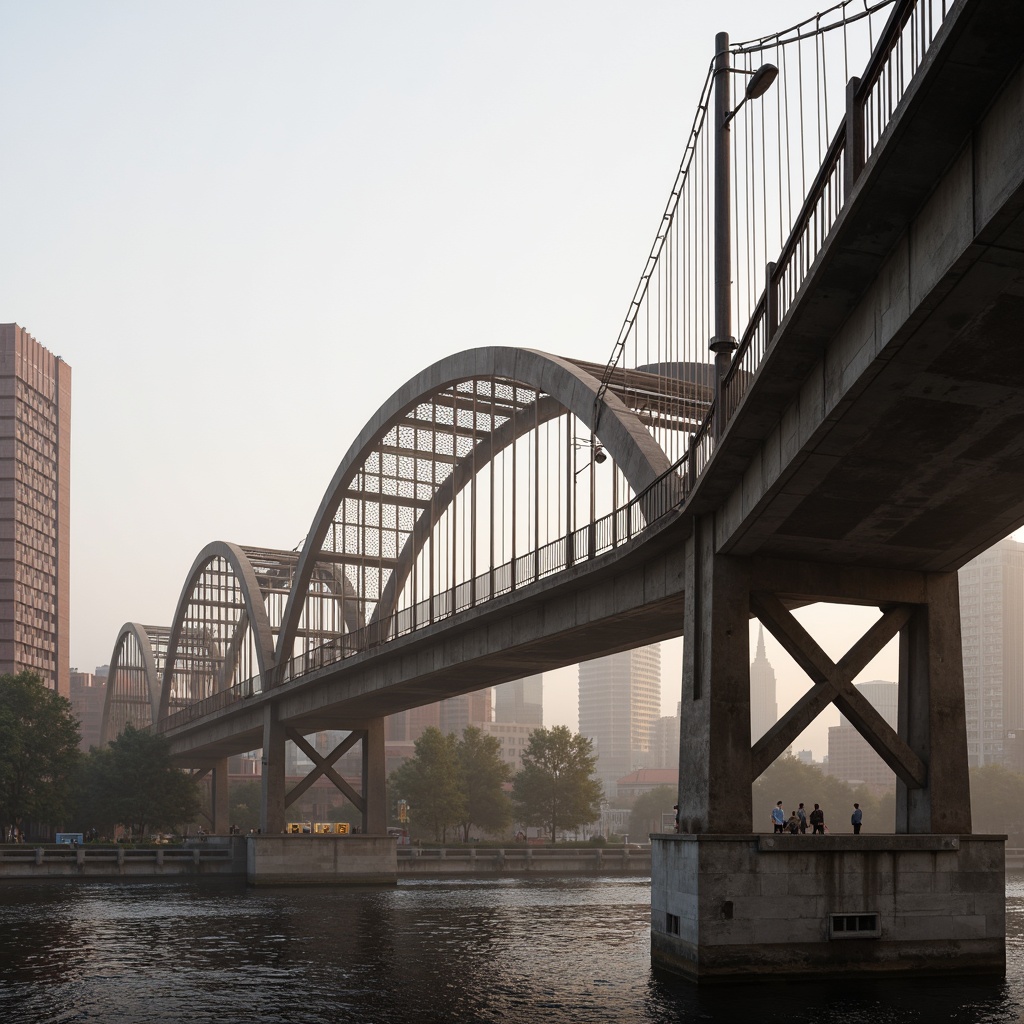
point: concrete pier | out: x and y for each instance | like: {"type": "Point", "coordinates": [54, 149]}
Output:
{"type": "Point", "coordinates": [321, 860]}
{"type": "Point", "coordinates": [732, 908]}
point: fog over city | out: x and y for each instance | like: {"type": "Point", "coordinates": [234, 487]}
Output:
{"type": "Point", "coordinates": [245, 224]}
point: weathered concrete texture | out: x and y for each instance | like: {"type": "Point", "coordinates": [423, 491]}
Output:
{"type": "Point", "coordinates": [883, 425]}
{"type": "Point", "coordinates": [321, 860]}
{"type": "Point", "coordinates": [752, 906]}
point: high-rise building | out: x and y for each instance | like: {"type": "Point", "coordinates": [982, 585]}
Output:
{"type": "Point", "coordinates": [764, 708]}
{"type": "Point", "coordinates": [850, 757]}
{"type": "Point", "coordinates": [992, 633]}
{"type": "Point", "coordinates": [35, 504]}
{"type": "Point", "coordinates": [87, 693]}
{"type": "Point", "coordinates": [620, 698]}
{"type": "Point", "coordinates": [408, 726]}
{"type": "Point", "coordinates": [467, 709]}
{"type": "Point", "coordinates": [665, 742]}
{"type": "Point", "coordinates": [520, 702]}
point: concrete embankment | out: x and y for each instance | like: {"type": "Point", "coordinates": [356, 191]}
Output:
{"type": "Point", "coordinates": [529, 860]}
{"type": "Point", "coordinates": [220, 855]}
{"type": "Point", "coordinates": [226, 856]}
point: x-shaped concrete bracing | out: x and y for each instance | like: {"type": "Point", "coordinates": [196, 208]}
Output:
{"type": "Point", "coordinates": [322, 765]}
{"type": "Point", "coordinates": [834, 685]}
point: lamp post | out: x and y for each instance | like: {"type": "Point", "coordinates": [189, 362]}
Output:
{"type": "Point", "coordinates": [723, 344]}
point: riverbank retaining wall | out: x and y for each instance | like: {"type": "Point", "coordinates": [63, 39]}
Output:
{"type": "Point", "coordinates": [219, 855]}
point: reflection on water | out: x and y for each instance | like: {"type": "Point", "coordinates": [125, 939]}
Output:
{"type": "Point", "coordinates": [541, 950]}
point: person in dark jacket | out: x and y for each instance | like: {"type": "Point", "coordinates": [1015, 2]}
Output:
{"type": "Point", "coordinates": [817, 821]}
{"type": "Point", "coordinates": [856, 818]}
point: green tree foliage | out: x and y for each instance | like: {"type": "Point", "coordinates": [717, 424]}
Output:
{"type": "Point", "coordinates": [482, 774]}
{"type": "Point", "coordinates": [648, 808]}
{"type": "Point", "coordinates": [556, 788]}
{"type": "Point", "coordinates": [38, 751]}
{"type": "Point", "coordinates": [430, 782]}
{"type": "Point", "coordinates": [792, 781]}
{"type": "Point", "coordinates": [997, 800]}
{"type": "Point", "coordinates": [244, 797]}
{"type": "Point", "coordinates": [132, 782]}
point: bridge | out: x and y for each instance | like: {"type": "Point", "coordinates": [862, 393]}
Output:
{"type": "Point", "coordinates": [508, 511]}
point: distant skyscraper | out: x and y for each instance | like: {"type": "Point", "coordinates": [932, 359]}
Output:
{"type": "Point", "coordinates": [88, 690]}
{"type": "Point", "coordinates": [408, 726]}
{"type": "Point", "coordinates": [764, 709]}
{"type": "Point", "coordinates": [665, 742]}
{"type": "Point", "coordinates": [464, 710]}
{"type": "Point", "coordinates": [35, 519]}
{"type": "Point", "coordinates": [620, 698]}
{"type": "Point", "coordinates": [520, 702]}
{"type": "Point", "coordinates": [850, 758]}
{"type": "Point", "coordinates": [992, 632]}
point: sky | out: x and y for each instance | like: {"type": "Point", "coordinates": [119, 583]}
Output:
{"type": "Point", "coordinates": [244, 225]}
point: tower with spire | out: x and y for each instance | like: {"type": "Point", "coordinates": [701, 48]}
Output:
{"type": "Point", "coordinates": [764, 709]}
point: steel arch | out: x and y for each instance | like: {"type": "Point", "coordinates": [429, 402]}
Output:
{"type": "Point", "coordinates": [133, 683]}
{"type": "Point", "coordinates": [252, 615]}
{"type": "Point", "coordinates": [573, 387]}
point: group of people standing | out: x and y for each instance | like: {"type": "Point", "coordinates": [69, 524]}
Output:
{"type": "Point", "coordinates": [799, 819]}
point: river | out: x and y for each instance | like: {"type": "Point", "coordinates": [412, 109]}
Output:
{"type": "Point", "coordinates": [569, 950]}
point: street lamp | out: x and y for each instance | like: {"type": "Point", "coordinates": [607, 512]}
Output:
{"type": "Point", "coordinates": [723, 344]}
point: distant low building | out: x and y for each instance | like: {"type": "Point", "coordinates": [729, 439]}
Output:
{"type": "Point", "coordinates": [643, 780]}
{"type": "Point", "coordinates": [514, 739]}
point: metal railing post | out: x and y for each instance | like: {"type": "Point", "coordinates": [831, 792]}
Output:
{"type": "Point", "coordinates": [854, 137]}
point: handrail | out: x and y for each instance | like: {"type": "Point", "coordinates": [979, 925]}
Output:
{"type": "Point", "coordinates": [663, 495]}
{"type": "Point", "coordinates": [870, 110]}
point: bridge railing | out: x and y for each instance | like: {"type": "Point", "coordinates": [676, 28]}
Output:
{"type": "Point", "coordinates": [872, 102]}
{"type": "Point", "coordinates": [656, 501]}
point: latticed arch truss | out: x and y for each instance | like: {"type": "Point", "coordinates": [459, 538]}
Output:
{"type": "Point", "coordinates": [222, 632]}
{"type": "Point", "coordinates": [473, 463]}
{"type": "Point", "coordinates": [133, 680]}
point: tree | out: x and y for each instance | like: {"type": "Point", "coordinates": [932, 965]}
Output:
{"type": "Point", "coordinates": [482, 775]}
{"type": "Point", "coordinates": [648, 810]}
{"type": "Point", "coordinates": [38, 751]}
{"type": "Point", "coordinates": [555, 788]}
{"type": "Point", "coordinates": [429, 781]}
{"type": "Point", "coordinates": [244, 798]}
{"type": "Point", "coordinates": [133, 782]}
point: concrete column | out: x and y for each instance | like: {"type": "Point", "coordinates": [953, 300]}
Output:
{"type": "Point", "coordinates": [714, 744]}
{"type": "Point", "coordinates": [375, 816]}
{"type": "Point", "coordinates": [272, 818]}
{"type": "Point", "coordinates": [932, 719]}
{"type": "Point", "coordinates": [219, 802]}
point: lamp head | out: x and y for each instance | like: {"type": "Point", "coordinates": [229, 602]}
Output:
{"type": "Point", "coordinates": [761, 81]}
{"type": "Point", "coordinates": [599, 454]}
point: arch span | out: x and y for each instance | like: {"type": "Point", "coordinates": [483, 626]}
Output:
{"type": "Point", "coordinates": [220, 627]}
{"type": "Point", "coordinates": [134, 679]}
{"type": "Point", "coordinates": [436, 433]}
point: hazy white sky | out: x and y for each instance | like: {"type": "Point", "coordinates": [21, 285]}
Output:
{"type": "Point", "coordinates": [245, 224]}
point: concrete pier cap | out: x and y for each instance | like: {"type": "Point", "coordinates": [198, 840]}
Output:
{"type": "Point", "coordinates": [311, 859]}
{"type": "Point", "coordinates": [728, 908]}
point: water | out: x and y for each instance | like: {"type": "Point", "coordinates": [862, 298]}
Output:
{"type": "Point", "coordinates": [572, 950]}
